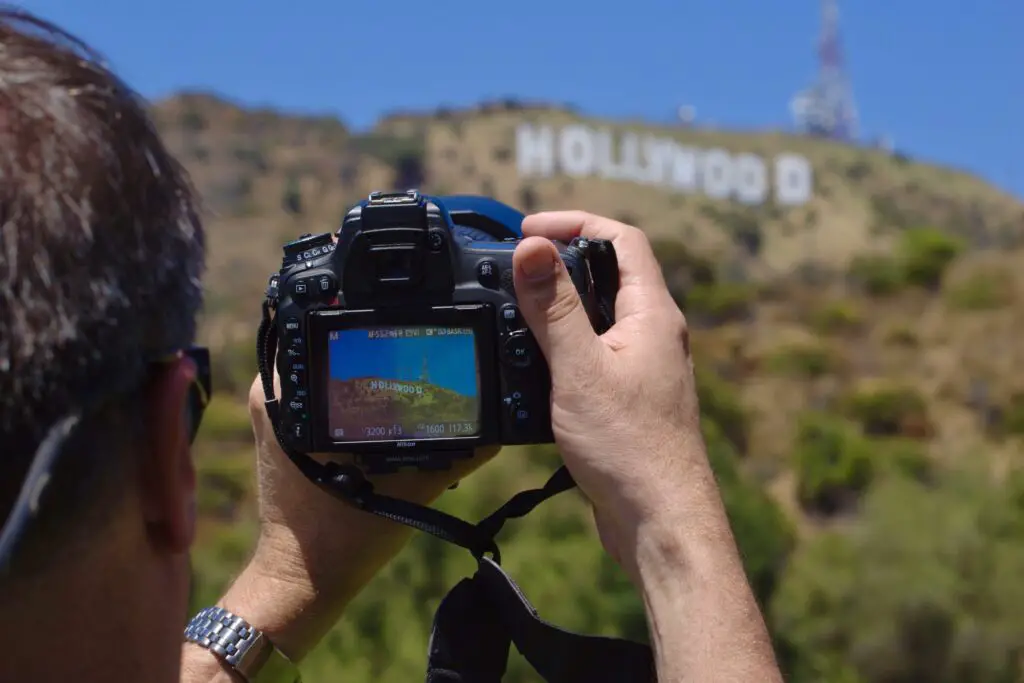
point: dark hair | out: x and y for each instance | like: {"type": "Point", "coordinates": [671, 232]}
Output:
{"type": "Point", "coordinates": [101, 253]}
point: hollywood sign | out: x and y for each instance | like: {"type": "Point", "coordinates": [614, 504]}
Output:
{"type": "Point", "coordinates": [581, 151]}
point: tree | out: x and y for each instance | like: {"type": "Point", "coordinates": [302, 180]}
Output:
{"type": "Point", "coordinates": [924, 588]}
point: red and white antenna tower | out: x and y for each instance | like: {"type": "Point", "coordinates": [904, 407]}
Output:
{"type": "Point", "coordinates": [827, 108]}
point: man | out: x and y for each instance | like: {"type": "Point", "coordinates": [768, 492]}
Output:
{"type": "Point", "coordinates": [100, 257]}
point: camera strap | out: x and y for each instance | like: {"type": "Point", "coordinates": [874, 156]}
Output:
{"type": "Point", "coordinates": [483, 615]}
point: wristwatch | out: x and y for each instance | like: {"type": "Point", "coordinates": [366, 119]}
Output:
{"type": "Point", "coordinates": [240, 646]}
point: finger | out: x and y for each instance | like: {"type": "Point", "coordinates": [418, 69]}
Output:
{"type": "Point", "coordinates": [552, 307]}
{"type": "Point", "coordinates": [641, 283]}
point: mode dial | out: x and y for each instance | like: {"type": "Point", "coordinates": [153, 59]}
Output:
{"type": "Point", "coordinates": [308, 247]}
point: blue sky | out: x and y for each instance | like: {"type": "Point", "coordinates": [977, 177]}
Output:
{"type": "Point", "coordinates": [452, 359]}
{"type": "Point", "coordinates": [943, 78]}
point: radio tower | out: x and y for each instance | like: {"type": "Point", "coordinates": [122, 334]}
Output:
{"type": "Point", "coordinates": [827, 108]}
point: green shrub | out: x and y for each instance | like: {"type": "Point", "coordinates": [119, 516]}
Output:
{"type": "Point", "coordinates": [225, 419]}
{"type": "Point", "coordinates": [835, 317]}
{"type": "Point", "coordinates": [889, 411]}
{"type": "Point", "coordinates": [926, 254]}
{"type": "Point", "coordinates": [764, 535]}
{"type": "Point", "coordinates": [390, 149]}
{"type": "Point", "coordinates": [833, 464]}
{"type": "Point", "coordinates": [291, 198]}
{"type": "Point", "coordinates": [902, 335]}
{"type": "Point", "coordinates": [719, 303]}
{"type": "Point", "coordinates": [807, 361]}
{"type": "Point", "coordinates": [224, 482]}
{"type": "Point", "coordinates": [923, 588]}
{"type": "Point", "coordinates": [1013, 415]}
{"type": "Point", "coordinates": [981, 291]}
{"type": "Point", "coordinates": [682, 268]}
{"type": "Point", "coordinates": [878, 275]}
{"type": "Point", "coordinates": [234, 367]}
{"type": "Point", "coordinates": [720, 404]}
{"type": "Point", "coordinates": [902, 457]}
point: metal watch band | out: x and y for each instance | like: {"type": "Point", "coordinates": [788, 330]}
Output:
{"type": "Point", "coordinates": [242, 647]}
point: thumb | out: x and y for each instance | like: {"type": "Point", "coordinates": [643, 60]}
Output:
{"type": "Point", "coordinates": [551, 306]}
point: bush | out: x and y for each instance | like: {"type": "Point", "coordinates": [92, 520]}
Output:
{"type": "Point", "coordinates": [924, 588]}
{"type": "Point", "coordinates": [890, 411]}
{"type": "Point", "coordinates": [225, 419]}
{"type": "Point", "coordinates": [807, 361]}
{"type": "Point", "coordinates": [682, 268]}
{"type": "Point", "coordinates": [981, 291]}
{"type": "Point", "coordinates": [224, 483]}
{"type": "Point", "coordinates": [719, 303]}
{"type": "Point", "coordinates": [764, 535]}
{"type": "Point", "coordinates": [902, 335]}
{"type": "Point", "coordinates": [902, 457]}
{"type": "Point", "coordinates": [1013, 415]}
{"type": "Point", "coordinates": [234, 367]}
{"type": "Point", "coordinates": [878, 275]}
{"type": "Point", "coordinates": [926, 254]}
{"type": "Point", "coordinates": [390, 149]}
{"type": "Point", "coordinates": [720, 404]}
{"type": "Point", "coordinates": [833, 464]}
{"type": "Point", "coordinates": [835, 317]}
{"type": "Point", "coordinates": [291, 198]}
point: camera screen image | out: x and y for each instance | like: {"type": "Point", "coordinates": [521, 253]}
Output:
{"type": "Point", "coordinates": [395, 383]}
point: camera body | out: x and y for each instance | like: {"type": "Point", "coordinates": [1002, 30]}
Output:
{"type": "Point", "coordinates": [402, 341]}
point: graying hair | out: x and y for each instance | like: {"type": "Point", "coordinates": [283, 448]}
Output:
{"type": "Point", "coordinates": [101, 248]}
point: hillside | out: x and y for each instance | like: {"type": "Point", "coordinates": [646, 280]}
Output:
{"type": "Point", "coordinates": [873, 329]}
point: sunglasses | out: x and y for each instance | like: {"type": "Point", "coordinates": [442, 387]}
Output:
{"type": "Point", "coordinates": [26, 506]}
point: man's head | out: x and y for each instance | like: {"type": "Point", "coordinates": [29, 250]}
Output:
{"type": "Point", "coordinates": [101, 253]}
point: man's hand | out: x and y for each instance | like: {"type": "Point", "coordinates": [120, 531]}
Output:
{"type": "Point", "coordinates": [314, 552]}
{"type": "Point", "coordinates": [624, 408]}
{"type": "Point", "coordinates": [316, 546]}
{"type": "Point", "coordinates": [625, 416]}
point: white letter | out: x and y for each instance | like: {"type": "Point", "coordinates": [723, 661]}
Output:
{"type": "Point", "coordinates": [576, 151]}
{"type": "Point", "coordinates": [658, 155]}
{"type": "Point", "coordinates": [629, 158]}
{"type": "Point", "coordinates": [751, 179]}
{"type": "Point", "coordinates": [794, 179]}
{"type": "Point", "coordinates": [535, 150]}
{"type": "Point", "coordinates": [716, 174]}
{"type": "Point", "coordinates": [604, 165]}
{"type": "Point", "coordinates": [684, 169]}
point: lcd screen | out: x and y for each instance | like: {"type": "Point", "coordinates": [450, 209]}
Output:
{"type": "Point", "coordinates": [403, 382]}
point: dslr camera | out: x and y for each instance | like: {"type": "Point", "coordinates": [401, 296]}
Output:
{"type": "Point", "coordinates": [401, 341]}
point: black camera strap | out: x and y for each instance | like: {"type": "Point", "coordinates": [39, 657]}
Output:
{"type": "Point", "coordinates": [483, 615]}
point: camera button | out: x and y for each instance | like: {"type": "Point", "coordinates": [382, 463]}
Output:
{"type": "Point", "coordinates": [511, 318]}
{"type": "Point", "coordinates": [518, 351]}
{"type": "Point", "coordinates": [291, 325]}
{"type": "Point", "coordinates": [517, 410]}
{"type": "Point", "coordinates": [487, 274]}
{"type": "Point", "coordinates": [325, 284]}
{"type": "Point", "coordinates": [435, 238]}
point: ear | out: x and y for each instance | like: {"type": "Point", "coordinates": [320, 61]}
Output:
{"type": "Point", "coordinates": [168, 477]}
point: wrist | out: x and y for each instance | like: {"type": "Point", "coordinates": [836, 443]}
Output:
{"type": "Point", "coordinates": [679, 524]}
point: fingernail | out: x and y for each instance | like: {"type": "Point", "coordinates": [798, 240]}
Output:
{"type": "Point", "coordinates": [539, 267]}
